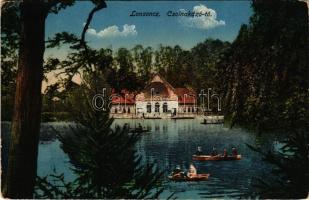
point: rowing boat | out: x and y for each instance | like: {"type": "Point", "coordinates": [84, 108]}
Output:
{"type": "Point", "coordinates": [197, 177]}
{"type": "Point", "coordinates": [215, 158]}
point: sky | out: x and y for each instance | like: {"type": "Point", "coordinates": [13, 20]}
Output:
{"type": "Point", "coordinates": [113, 27]}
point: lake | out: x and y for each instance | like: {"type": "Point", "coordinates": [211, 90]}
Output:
{"type": "Point", "coordinates": [173, 142]}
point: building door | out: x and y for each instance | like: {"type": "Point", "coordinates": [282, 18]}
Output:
{"type": "Point", "coordinates": [165, 107]}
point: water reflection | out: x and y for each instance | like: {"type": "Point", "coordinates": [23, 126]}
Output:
{"type": "Point", "coordinates": [172, 143]}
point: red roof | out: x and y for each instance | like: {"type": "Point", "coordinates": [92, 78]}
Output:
{"type": "Point", "coordinates": [124, 97]}
{"type": "Point", "coordinates": [185, 95]}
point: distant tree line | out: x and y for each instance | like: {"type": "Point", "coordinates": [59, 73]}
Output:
{"type": "Point", "coordinates": [131, 69]}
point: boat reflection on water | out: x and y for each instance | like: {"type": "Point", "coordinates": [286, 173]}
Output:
{"type": "Point", "coordinates": [173, 142]}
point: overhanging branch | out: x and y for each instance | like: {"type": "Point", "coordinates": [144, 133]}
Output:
{"type": "Point", "coordinates": [83, 44]}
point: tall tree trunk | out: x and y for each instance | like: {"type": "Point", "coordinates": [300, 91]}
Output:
{"type": "Point", "coordinates": [25, 130]}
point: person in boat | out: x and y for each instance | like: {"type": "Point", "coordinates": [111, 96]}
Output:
{"type": "Point", "coordinates": [177, 172]}
{"type": "Point", "coordinates": [126, 126]}
{"type": "Point", "coordinates": [225, 153]}
{"type": "Point", "coordinates": [199, 151]}
{"type": "Point", "coordinates": [234, 152]}
{"type": "Point", "coordinates": [191, 171]}
{"type": "Point", "coordinates": [214, 151]}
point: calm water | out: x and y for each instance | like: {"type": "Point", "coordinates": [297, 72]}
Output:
{"type": "Point", "coordinates": [172, 143]}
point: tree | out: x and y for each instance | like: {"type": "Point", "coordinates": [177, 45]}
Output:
{"type": "Point", "coordinates": [27, 108]}
{"type": "Point", "coordinates": [205, 59]}
{"type": "Point", "coordinates": [143, 60]}
{"type": "Point", "coordinates": [264, 73]}
{"type": "Point", "coordinates": [103, 159]}
{"type": "Point", "coordinates": [26, 120]}
{"type": "Point", "coordinates": [50, 93]}
{"type": "Point", "coordinates": [123, 74]}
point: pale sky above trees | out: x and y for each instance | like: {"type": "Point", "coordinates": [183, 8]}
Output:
{"type": "Point", "coordinates": [113, 27]}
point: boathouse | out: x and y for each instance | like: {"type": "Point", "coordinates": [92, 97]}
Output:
{"type": "Point", "coordinates": [158, 99]}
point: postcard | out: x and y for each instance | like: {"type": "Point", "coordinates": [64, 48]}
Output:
{"type": "Point", "coordinates": [154, 99]}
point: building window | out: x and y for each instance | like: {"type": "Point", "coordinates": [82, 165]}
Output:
{"type": "Point", "coordinates": [148, 108]}
{"type": "Point", "coordinates": [129, 110]}
{"type": "Point", "coordinates": [189, 109]}
{"type": "Point", "coordinates": [124, 110]}
{"type": "Point", "coordinates": [116, 110]}
{"type": "Point", "coordinates": [157, 107]}
{"type": "Point", "coordinates": [165, 107]}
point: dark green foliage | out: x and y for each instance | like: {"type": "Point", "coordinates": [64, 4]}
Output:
{"type": "Point", "coordinates": [62, 38]}
{"type": "Point", "coordinates": [8, 74]}
{"type": "Point", "coordinates": [54, 186]}
{"type": "Point", "coordinates": [143, 59]}
{"type": "Point", "coordinates": [124, 76]}
{"type": "Point", "coordinates": [10, 30]}
{"type": "Point", "coordinates": [27, 29]}
{"type": "Point", "coordinates": [205, 59]}
{"type": "Point", "coordinates": [56, 6]}
{"type": "Point", "coordinates": [103, 159]}
{"type": "Point", "coordinates": [51, 92]}
{"type": "Point", "coordinates": [290, 167]}
{"type": "Point", "coordinates": [106, 166]}
{"type": "Point", "coordinates": [264, 75]}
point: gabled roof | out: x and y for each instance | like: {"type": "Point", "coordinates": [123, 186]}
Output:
{"type": "Point", "coordinates": [184, 94]}
{"type": "Point", "coordinates": [190, 95]}
{"type": "Point", "coordinates": [163, 80]}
